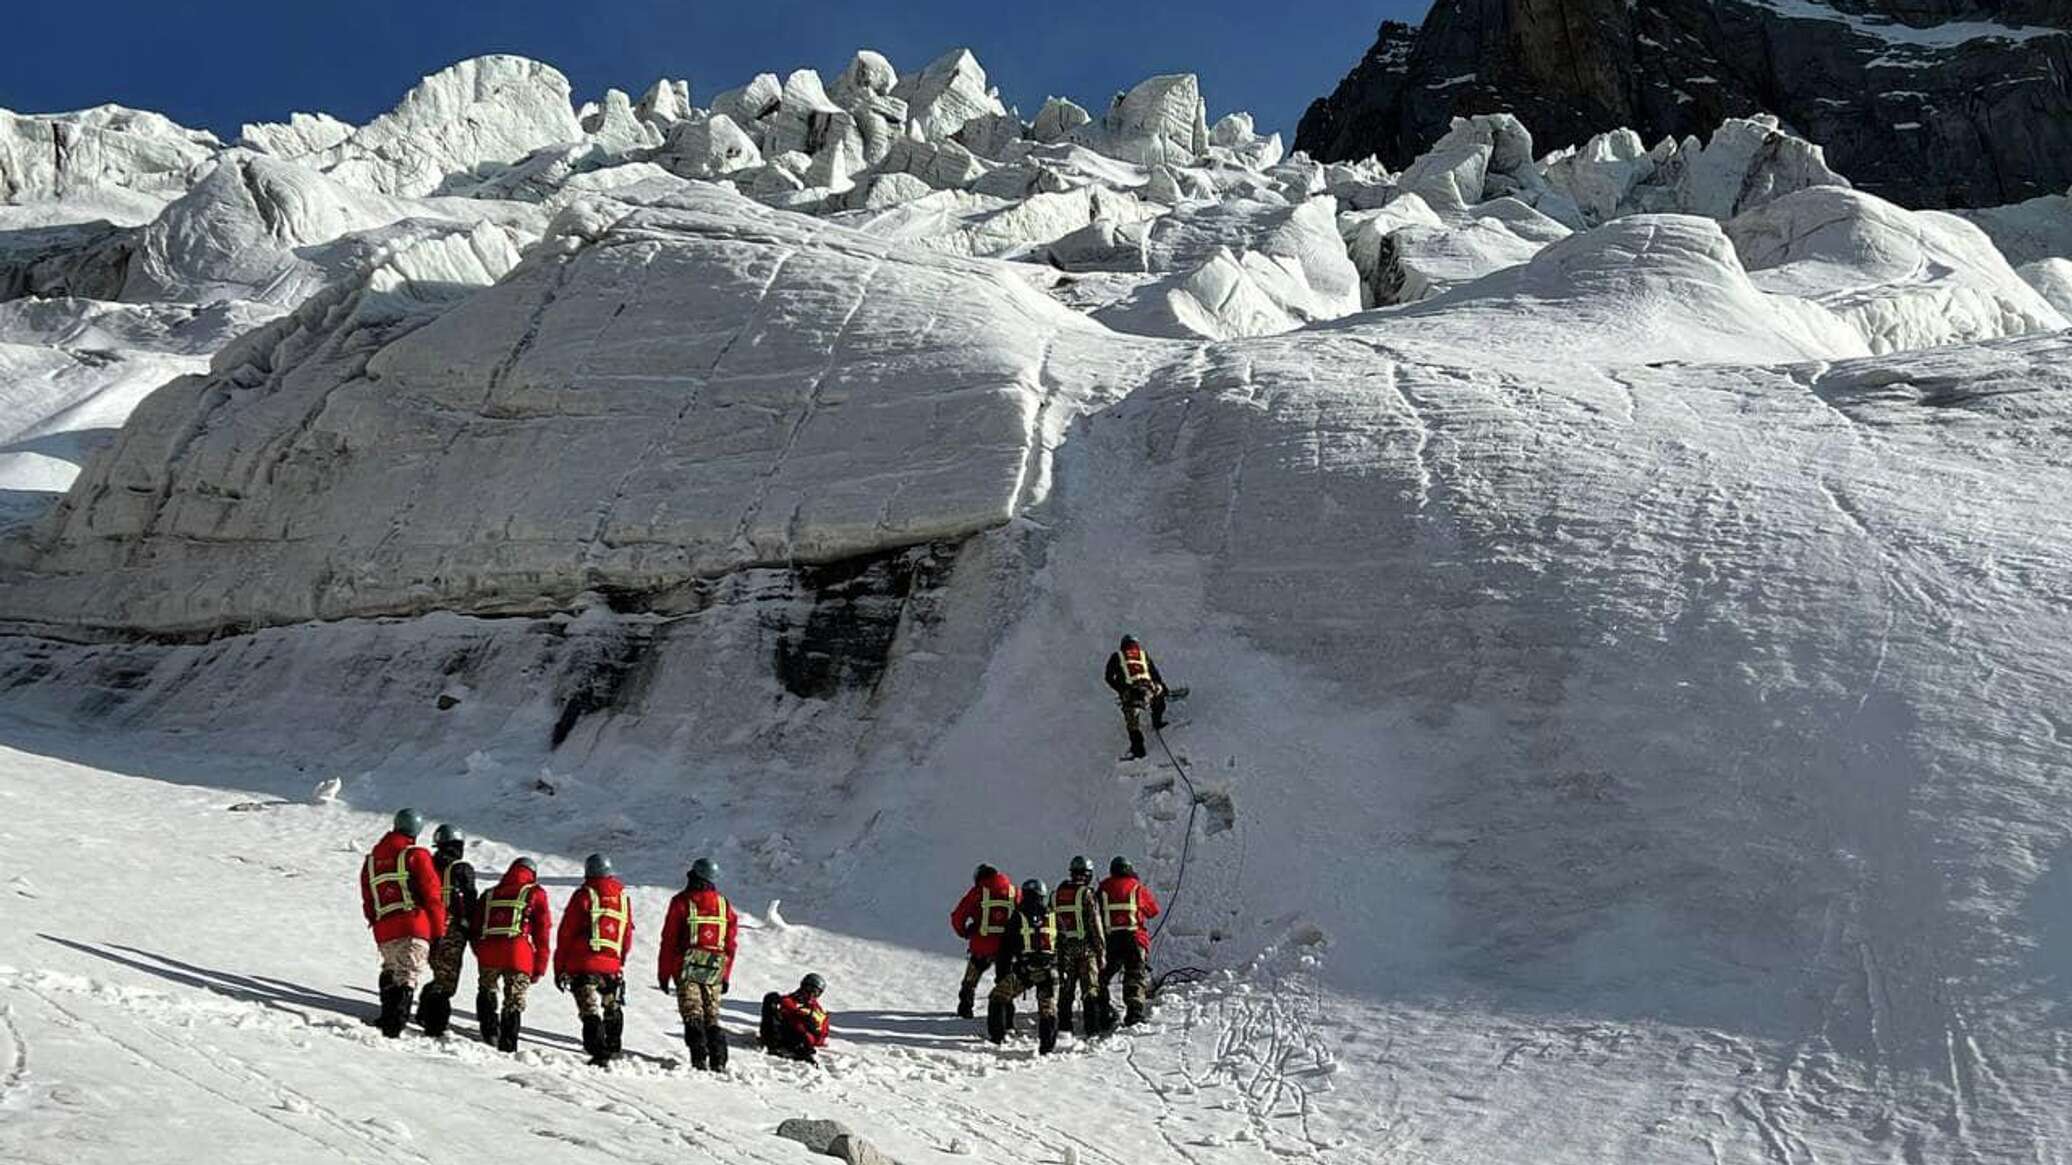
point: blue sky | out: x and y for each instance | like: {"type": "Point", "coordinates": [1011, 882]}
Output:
{"type": "Point", "coordinates": [218, 64]}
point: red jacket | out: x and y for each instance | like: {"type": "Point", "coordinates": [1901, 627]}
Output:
{"type": "Point", "coordinates": [596, 930]}
{"type": "Point", "coordinates": [983, 915]}
{"type": "Point", "coordinates": [806, 1017]}
{"type": "Point", "coordinates": [513, 925]}
{"type": "Point", "coordinates": [679, 937]}
{"type": "Point", "coordinates": [1127, 904]}
{"type": "Point", "coordinates": [400, 893]}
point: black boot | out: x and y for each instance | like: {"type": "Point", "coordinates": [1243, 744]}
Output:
{"type": "Point", "coordinates": [593, 1040]}
{"type": "Point", "coordinates": [1136, 745]}
{"type": "Point", "coordinates": [614, 1032]}
{"type": "Point", "coordinates": [485, 1011]}
{"type": "Point", "coordinates": [716, 1047]}
{"type": "Point", "coordinates": [395, 1010]}
{"type": "Point", "coordinates": [999, 1017]}
{"type": "Point", "coordinates": [1064, 1015]}
{"type": "Point", "coordinates": [966, 1000]}
{"type": "Point", "coordinates": [1046, 1034]}
{"type": "Point", "coordinates": [508, 1030]}
{"type": "Point", "coordinates": [1134, 1015]}
{"type": "Point", "coordinates": [434, 1010]}
{"type": "Point", "coordinates": [766, 1030]}
{"type": "Point", "coordinates": [694, 1039]}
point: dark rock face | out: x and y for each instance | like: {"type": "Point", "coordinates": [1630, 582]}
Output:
{"type": "Point", "coordinates": [1929, 103]}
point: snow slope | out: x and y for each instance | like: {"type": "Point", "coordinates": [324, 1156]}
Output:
{"type": "Point", "coordinates": [1622, 720]}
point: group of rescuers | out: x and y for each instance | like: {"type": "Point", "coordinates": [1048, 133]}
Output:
{"type": "Point", "coordinates": [426, 912]}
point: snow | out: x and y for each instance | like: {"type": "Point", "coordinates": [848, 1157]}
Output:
{"type": "Point", "coordinates": [2052, 279]}
{"type": "Point", "coordinates": [106, 148]}
{"type": "Point", "coordinates": [1944, 35]}
{"type": "Point", "coordinates": [1623, 718]}
{"type": "Point", "coordinates": [2027, 232]}
{"type": "Point", "coordinates": [1903, 279]}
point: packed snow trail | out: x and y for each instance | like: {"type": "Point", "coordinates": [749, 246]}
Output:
{"type": "Point", "coordinates": [182, 975]}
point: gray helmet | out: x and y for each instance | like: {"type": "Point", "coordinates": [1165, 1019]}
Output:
{"type": "Point", "coordinates": [1120, 867]}
{"type": "Point", "coordinates": [409, 822]}
{"type": "Point", "coordinates": [984, 873]}
{"type": "Point", "coordinates": [1034, 888]}
{"type": "Point", "coordinates": [448, 834]}
{"type": "Point", "coordinates": [597, 866]}
{"type": "Point", "coordinates": [526, 863]}
{"type": "Point", "coordinates": [1082, 868]}
{"type": "Point", "coordinates": [1129, 641]}
{"type": "Point", "coordinates": [813, 985]}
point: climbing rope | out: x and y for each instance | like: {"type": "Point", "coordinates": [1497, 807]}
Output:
{"type": "Point", "coordinates": [1178, 975]}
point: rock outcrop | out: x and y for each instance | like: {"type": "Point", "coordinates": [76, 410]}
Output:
{"type": "Point", "coordinates": [1937, 104]}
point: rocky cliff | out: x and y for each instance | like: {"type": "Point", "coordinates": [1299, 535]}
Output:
{"type": "Point", "coordinates": [1929, 103]}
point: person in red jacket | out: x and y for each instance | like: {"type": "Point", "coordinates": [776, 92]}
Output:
{"type": "Point", "coordinates": [1127, 905]}
{"type": "Point", "coordinates": [513, 926]}
{"type": "Point", "coordinates": [980, 918]}
{"type": "Point", "coordinates": [590, 956]}
{"type": "Point", "coordinates": [795, 1025]}
{"type": "Point", "coordinates": [405, 905]}
{"type": "Point", "coordinates": [697, 961]}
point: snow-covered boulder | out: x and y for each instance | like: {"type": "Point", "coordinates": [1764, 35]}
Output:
{"type": "Point", "coordinates": [1241, 269]}
{"type": "Point", "coordinates": [275, 232]}
{"type": "Point", "coordinates": [1366, 234]}
{"type": "Point", "coordinates": [665, 103]}
{"type": "Point", "coordinates": [1903, 279]}
{"type": "Point", "coordinates": [617, 129]}
{"type": "Point", "coordinates": [1161, 121]}
{"type": "Point", "coordinates": [2052, 279]}
{"type": "Point", "coordinates": [1418, 262]}
{"type": "Point", "coordinates": [1638, 289]}
{"type": "Point", "coordinates": [951, 91]}
{"type": "Point", "coordinates": [880, 191]}
{"type": "Point", "coordinates": [943, 165]}
{"type": "Point", "coordinates": [2027, 232]}
{"type": "Point", "coordinates": [708, 146]}
{"type": "Point", "coordinates": [106, 147]}
{"type": "Point", "coordinates": [300, 136]}
{"type": "Point", "coordinates": [748, 105]}
{"type": "Point", "coordinates": [484, 111]}
{"type": "Point", "coordinates": [1749, 162]}
{"type": "Point", "coordinates": [868, 75]}
{"type": "Point", "coordinates": [1058, 120]}
{"type": "Point", "coordinates": [694, 371]}
{"type": "Point", "coordinates": [1001, 228]}
{"type": "Point", "coordinates": [1597, 176]}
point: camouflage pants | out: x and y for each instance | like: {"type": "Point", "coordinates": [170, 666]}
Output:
{"type": "Point", "coordinates": [1079, 974]}
{"type": "Point", "coordinates": [598, 995]}
{"type": "Point", "coordinates": [1013, 981]}
{"type": "Point", "coordinates": [1141, 696]}
{"type": "Point", "coordinates": [403, 961]}
{"type": "Point", "coordinates": [1127, 958]}
{"type": "Point", "coordinates": [975, 968]}
{"type": "Point", "coordinates": [697, 1002]}
{"type": "Point", "coordinates": [514, 983]}
{"type": "Point", "coordinates": [445, 959]}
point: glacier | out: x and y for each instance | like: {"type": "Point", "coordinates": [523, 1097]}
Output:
{"type": "Point", "coordinates": [1622, 591]}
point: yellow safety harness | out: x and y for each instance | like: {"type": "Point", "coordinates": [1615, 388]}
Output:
{"type": "Point", "coordinates": [1127, 909]}
{"type": "Point", "coordinates": [517, 906]}
{"type": "Point", "coordinates": [405, 902]}
{"type": "Point", "coordinates": [1071, 913]}
{"type": "Point", "coordinates": [986, 905]}
{"type": "Point", "coordinates": [1048, 932]}
{"type": "Point", "coordinates": [615, 942]}
{"type": "Point", "coordinates": [717, 920]}
{"type": "Point", "coordinates": [1136, 666]}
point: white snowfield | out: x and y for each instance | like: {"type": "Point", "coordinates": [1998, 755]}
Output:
{"type": "Point", "coordinates": [1622, 593]}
